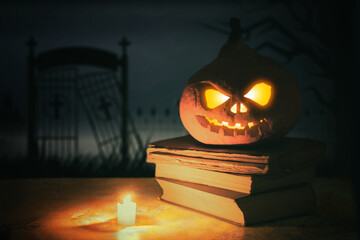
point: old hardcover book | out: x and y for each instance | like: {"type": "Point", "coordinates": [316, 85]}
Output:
{"type": "Point", "coordinates": [236, 207]}
{"type": "Point", "coordinates": [280, 157]}
{"type": "Point", "coordinates": [236, 182]}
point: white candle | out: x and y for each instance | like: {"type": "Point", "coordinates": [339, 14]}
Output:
{"type": "Point", "coordinates": [126, 212]}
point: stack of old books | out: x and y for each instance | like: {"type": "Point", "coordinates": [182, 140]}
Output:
{"type": "Point", "coordinates": [244, 185]}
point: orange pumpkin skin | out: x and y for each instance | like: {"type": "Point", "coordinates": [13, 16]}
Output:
{"type": "Point", "coordinates": [235, 71]}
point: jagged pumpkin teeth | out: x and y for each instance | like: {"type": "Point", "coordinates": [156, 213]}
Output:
{"type": "Point", "coordinates": [221, 132]}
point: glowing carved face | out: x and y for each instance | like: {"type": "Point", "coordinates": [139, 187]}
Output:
{"type": "Point", "coordinates": [212, 98]}
{"type": "Point", "coordinates": [240, 98]}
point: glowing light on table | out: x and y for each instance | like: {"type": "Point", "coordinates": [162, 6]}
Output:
{"type": "Point", "coordinates": [126, 212]}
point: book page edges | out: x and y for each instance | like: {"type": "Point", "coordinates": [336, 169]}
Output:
{"type": "Point", "coordinates": [209, 164]}
{"type": "Point", "coordinates": [203, 201]}
{"type": "Point", "coordinates": [242, 209]}
{"type": "Point", "coordinates": [235, 182]}
{"type": "Point", "coordinates": [232, 181]}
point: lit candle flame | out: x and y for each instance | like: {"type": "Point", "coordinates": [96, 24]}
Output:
{"type": "Point", "coordinates": [127, 198]}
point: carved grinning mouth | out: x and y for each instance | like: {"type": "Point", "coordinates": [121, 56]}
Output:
{"type": "Point", "coordinates": [251, 129]}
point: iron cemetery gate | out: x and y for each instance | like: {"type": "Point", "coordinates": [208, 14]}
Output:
{"type": "Point", "coordinates": [57, 113]}
{"type": "Point", "coordinates": [57, 80]}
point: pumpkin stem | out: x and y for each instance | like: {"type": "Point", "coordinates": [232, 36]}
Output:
{"type": "Point", "coordinates": [236, 30]}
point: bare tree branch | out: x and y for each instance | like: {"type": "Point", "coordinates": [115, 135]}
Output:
{"type": "Point", "coordinates": [307, 24]}
{"type": "Point", "coordinates": [326, 103]}
{"type": "Point", "coordinates": [213, 28]}
{"type": "Point", "coordinates": [299, 47]}
{"type": "Point", "coordinates": [287, 54]}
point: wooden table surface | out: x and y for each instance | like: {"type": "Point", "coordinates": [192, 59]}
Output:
{"type": "Point", "coordinates": [86, 209]}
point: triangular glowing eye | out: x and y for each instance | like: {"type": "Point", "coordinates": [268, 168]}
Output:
{"type": "Point", "coordinates": [214, 98]}
{"type": "Point", "coordinates": [260, 93]}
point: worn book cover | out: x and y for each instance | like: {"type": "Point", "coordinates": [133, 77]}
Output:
{"type": "Point", "coordinates": [280, 157]}
{"type": "Point", "coordinates": [233, 181]}
{"type": "Point", "coordinates": [240, 208]}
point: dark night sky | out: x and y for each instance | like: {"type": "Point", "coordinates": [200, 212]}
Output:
{"type": "Point", "coordinates": [169, 43]}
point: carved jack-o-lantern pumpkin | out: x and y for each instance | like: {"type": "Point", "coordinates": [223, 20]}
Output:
{"type": "Point", "coordinates": [240, 97]}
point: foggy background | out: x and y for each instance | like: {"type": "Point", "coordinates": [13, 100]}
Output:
{"type": "Point", "coordinates": [170, 41]}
